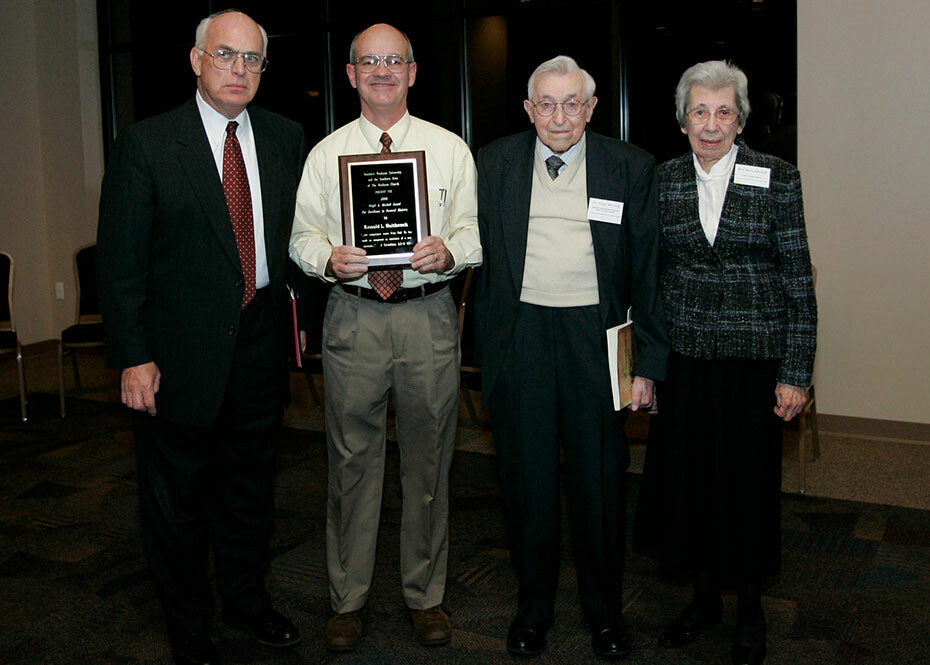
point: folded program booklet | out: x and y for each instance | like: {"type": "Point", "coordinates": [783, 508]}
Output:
{"type": "Point", "coordinates": [620, 362]}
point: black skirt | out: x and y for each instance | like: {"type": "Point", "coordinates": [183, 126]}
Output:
{"type": "Point", "coordinates": [711, 488]}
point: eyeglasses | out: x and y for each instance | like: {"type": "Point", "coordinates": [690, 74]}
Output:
{"type": "Point", "coordinates": [369, 63]}
{"type": "Point", "coordinates": [702, 114]}
{"type": "Point", "coordinates": [224, 58]}
{"type": "Point", "coordinates": [570, 106]}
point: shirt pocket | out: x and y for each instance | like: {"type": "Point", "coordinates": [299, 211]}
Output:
{"type": "Point", "coordinates": [439, 203]}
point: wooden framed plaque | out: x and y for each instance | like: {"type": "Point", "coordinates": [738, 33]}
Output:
{"type": "Point", "coordinates": [385, 210]}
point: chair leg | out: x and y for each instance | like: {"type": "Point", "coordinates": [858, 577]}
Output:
{"type": "Point", "coordinates": [311, 385]}
{"type": "Point", "coordinates": [61, 379]}
{"type": "Point", "coordinates": [815, 434]}
{"type": "Point", "coordinates": [22, 383]}
{"type": "Point", "coordinates": [807, 421]}
{"type": "Point", "coordinates": [77, 375]}
{"type": "Point", "coordinates": [469, 404]}
{"type": "Point", "coordinates": [802, 459]}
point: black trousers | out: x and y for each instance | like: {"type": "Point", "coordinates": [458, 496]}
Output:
{"type": "Point", "coordinates": [213, 484]}
{"type": "Point", "coordinates": [555, 387]}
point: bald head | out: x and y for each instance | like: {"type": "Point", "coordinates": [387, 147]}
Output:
{"type": "Point", "coordinates": [382, 92]}
{"type": "Point", "coordinates": [408, 53]}
{"type": "Point", "coordinates": [229, 90]}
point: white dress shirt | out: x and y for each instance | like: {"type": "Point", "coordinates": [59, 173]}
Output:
{"type": "Point", "coordinates": [546, 152]}
{"type": "Point", "coordinates": [214, 123]}
{"type": "Point", "coordinates": [451, 190]}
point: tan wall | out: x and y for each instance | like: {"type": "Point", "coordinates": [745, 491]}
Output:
{"type": "Point", "coordinates": [864, 155]}
{"type": "Point", "coordinates": [52, 157]}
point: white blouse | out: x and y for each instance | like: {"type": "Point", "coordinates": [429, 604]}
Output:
{"type": "Point", "coordinates": [712, 189]}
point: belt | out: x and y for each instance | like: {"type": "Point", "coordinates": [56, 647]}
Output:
{"type": "Point", "coordinates": [399, 296]}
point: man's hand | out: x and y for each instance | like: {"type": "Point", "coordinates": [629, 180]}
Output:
{"type": "Point", "coordinates": [644, 393]}
{"type": "Point", "coordinates": [347, 262]}
{"type": "Point", "coordinates": [138, 385]}
{"type": "Point", "coordinates": [431, 255]}
{"type": "Point", "coordinates": [789, 400]}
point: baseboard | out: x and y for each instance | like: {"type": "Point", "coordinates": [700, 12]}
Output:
{"type": "Point", "coordinates": [873, 428]}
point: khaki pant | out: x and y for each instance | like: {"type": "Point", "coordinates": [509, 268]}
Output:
{"type": "Point", "coordinates": [410, 350]}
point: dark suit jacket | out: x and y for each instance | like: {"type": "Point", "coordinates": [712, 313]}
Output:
{"type": "Point", "coordinates": [751, 294]}
{"type": "Point", "coordinates": [169, 274]}
{"type": "Point", "coordinates": [626, 254]}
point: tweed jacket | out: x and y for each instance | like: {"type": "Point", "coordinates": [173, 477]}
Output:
{"type": "Point", "coordinates": [751, 294]}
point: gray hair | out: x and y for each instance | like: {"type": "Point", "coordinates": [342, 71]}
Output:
{"type": "Point", "coordinates": [408, 55]}
{"type": "Point", "coordinates": [200, 36]}
{"type": "Point", "coordinates": [713, 74]}
{"type": "Point", "coordinates": [561, 64]}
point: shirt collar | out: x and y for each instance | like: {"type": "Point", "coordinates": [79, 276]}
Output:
{"type": "Point", "coordinates": [721, 168]}
{"type": "Point", "coordinates": [545, 152]}
{"type": "Point", "coordinates": [398, 132]}
{"type": "Point", "coordinates": [214, 122]}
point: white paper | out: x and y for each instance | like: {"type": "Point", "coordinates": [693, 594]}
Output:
{"type": "Point", "coordinates": [612, 358]}
{"type": "Point", "coordinates": [604, 210]}
{"type": "Point", "coordinates": [754, 176]}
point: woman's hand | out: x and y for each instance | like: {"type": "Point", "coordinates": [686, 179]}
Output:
{"type": "Point", "coordinates": [789, 400]}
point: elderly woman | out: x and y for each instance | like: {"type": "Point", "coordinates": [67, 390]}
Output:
{"type": "Point", "coordinates": [739, 298]}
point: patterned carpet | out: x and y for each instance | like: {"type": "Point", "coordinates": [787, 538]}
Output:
{"type": "Point", "coordinates": [74, 587]}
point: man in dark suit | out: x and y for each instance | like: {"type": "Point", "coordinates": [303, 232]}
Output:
{"type": "Point", "coordinates": [570, 238]}
{"type": "Point", "coordinates": [195, 216]}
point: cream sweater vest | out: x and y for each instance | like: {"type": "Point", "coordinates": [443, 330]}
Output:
{"type": "Point", "coordinates": [559, 270]}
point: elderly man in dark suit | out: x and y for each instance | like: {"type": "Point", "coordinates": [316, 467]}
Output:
{"type": "Point", "coordinates": [570, 238]}
{"type": "Point", "coordinates": [195, 216]}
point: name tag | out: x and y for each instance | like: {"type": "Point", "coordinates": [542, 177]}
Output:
{"type": "Point", "coordinates": [754, 176]}
{"type": "Point", "coordinates": [602, 210]}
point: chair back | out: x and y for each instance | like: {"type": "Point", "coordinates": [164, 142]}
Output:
{"type": "Point", "coordinates": [6, 284]}
{"type": "Point", "coordinates": [85, 281]}
{"type": "Point", "coordinates": [464, 299]}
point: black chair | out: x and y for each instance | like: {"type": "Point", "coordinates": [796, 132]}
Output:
{"type": "Point", "coordinates": [87, 331]}
{"type": "Point", "coordinates": [470, 374]}
{"type": "Point", "coordinates": [313, 307]}
{"type": "Point", "coordinates": [9, 341]}
{"type": "Point", "coordinates": [807, 427]}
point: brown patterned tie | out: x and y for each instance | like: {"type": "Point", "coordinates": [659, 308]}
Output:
{"type": "Point", "coordinates": [239, 203]}
{"type": "Point", "coordinates": [385, 282]}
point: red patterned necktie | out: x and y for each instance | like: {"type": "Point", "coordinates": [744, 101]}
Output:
{"type": "Point", "coordinates": [385, 282]}
{"type": "Point", "coordinates": [239, 203]}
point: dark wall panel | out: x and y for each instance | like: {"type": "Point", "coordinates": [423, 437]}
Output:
{"type": "Point", "coordinates": [473, 58]}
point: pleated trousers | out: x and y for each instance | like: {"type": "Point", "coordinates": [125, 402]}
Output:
{"type": "Point", "coordinates": [410, 351]}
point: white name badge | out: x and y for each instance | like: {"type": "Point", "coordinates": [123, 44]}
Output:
{"type": "Point", "coordinates": [754, 176]}
{"type": "Point", "coordinates": [603, 210]}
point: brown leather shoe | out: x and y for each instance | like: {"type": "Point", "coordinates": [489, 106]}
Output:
{"type": "Point", "coordinates": [432, 626]}
{"type": "Point", "coordinates": [344, 631]}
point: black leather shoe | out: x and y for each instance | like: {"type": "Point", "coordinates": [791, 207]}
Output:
{"type": "Point", "coordinates": [687, 625]}
{"type": "Point", "coordinates": [525, 641]}
{"type": "Point", "coordinates": [194, 649]}
{"type": "Point", "coordinates": [267, 627]}
{"type": "Point", "coordinates": [612, 642]}
{"type": "Point", "coordinates": [749, 643]}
